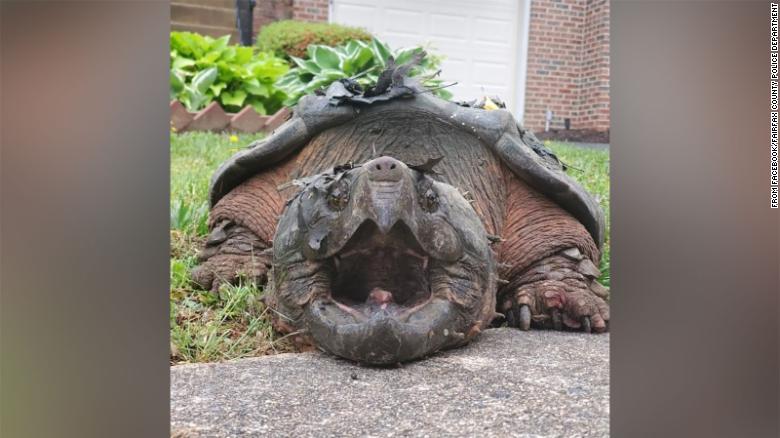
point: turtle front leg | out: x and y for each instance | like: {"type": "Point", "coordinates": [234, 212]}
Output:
{"type": "Point", "coordinates": [557, 292]}
{"type": "Point", "coordinates": [241, 233]}
{"type": "Point", "coordinates": [232, 253]}
{"type": "Point", "coordinates": [549, 261]}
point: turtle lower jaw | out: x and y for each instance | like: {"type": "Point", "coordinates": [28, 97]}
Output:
{"type": "Point", "coordinates": [384, 338]}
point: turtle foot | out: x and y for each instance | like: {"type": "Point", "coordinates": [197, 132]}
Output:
{"type": "Point", "coordinates": [560, 292]}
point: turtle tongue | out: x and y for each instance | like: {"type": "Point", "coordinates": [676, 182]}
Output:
{"type": "Point", "coordinates": [379, 297]}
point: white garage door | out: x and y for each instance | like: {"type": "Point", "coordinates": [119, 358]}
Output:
{"type": "Point", "coordinates": [481, 40]}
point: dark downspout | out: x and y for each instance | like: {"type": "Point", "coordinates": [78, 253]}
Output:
{"type": "Point", "coordinates": [244, 20]}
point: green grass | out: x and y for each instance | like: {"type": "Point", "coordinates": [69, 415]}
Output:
{"type": "Point", "coordinates": [208, 326]}
{"type": "Point", "coordinates": [233, 323]}
{"type": "Point", "coordinates": [593, 174]}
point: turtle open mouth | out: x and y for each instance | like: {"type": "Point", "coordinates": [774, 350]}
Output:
{"type": "Point", "coordinates": [381, 263]}
{"type": "Point", "coordinates": [381, 272]}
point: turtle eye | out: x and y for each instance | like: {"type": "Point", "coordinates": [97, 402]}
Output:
{"type": "Point", "coordinates": [338, 198]}
{"type": "Point", "coordinates": [429, 201]}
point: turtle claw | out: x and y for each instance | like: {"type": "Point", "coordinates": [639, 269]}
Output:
{"type": "Point", "coordinates": [519, 316]}
{"type": "Point", "coordinates": [525, 318]}
{"type": "Point", "coordinates": [511, 319]}
{"type": "Point", "coordinates": [557, 321]}
{"type": "Point", "coordinates": [586, 324]}
{"type": "Point", "coordinates": [560, 292]}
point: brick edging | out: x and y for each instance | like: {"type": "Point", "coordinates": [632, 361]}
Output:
{"type": "Point", "coordinates": [214, 119]}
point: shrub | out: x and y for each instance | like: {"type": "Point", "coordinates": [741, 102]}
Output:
{"type": "Point", "coordinates": [357, 60]}
{"type": "Point", "coordinates": [204, 69]}
{"type": "Point", "coordinates": [290, 38]}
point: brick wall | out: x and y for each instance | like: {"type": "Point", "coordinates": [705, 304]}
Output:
{"type": "Point", "coordinates": [568, 64]}
{"type": "Point", "coordinates": [594, 101]}
{"type": "Point", "coordinates": [214, 18]}
{"type": "Point", "coordinates": [310, 10]}
{"type": "Point", "coordinates": [268, 11]}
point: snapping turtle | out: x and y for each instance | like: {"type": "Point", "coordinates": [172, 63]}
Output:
{"type": "Point", "coordinates": [388, 228]}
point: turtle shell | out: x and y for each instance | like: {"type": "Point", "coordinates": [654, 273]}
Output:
{"type": "Point", "coordinates": [497, 129]}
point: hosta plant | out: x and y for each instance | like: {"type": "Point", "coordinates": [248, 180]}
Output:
{"type": "Point", "coordinates": [359, 60]}
{"type": "Point", "coordinates": [205, 69]}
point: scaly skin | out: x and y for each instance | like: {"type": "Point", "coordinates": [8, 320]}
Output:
{"type": "Point", "coordinates": [241, 228]}
{"type": "Point", "coordinates": [548, 261]}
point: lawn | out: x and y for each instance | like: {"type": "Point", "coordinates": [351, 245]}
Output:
{"type": "Point", "coordinates": [590, 167]}
{"type": "Point", "coordinates": [205, 326]}
{"type": "Point", "coordinates": [208, 327]}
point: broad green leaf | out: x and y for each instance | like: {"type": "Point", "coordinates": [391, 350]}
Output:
{"type": "Point", "coordinates": [184, 98]}
{"type": "Point", "coordinates": [182, 63]}
{"type": "Point", "coordinates": [209, 59]}
{"type": "Point", "coordinates": [203, 80]}
{"type": "Point", "coordinates": [312, 67]}
{"type": "Point", "coordinates": [227, 72]}
{"type": "Point", "coordinates": [310, 50]}
{"type": "Point", "coordinates": [191, 44]}
{"type": "Point", "coordinates": [195, 99]}
{"type": "Point", "coordinates": [217, 88]}
{"type": "Point", "coordinates": [381, 51]}
{"type": "Point", "coordinates": [331, 74]}
{"type": "Point", "coordinates": [268, 69]}
{"type": "Point", "coordinates": [403, 56]}
{"type": "Point", "coordinates": [357, 62]}
{"type": "Point", "coordinates": [176, 82]}
{"type": "Point", "coordinates": [306, 65]}
{"type": "Point", "coordinates": [319, 82]}
{"type": "Point", "coordinates": [288, 79]}
{"type": "Point", "coordinates": [326, 57]}
{"type": "Point", "coordinates": [259, 107]}
{"type": "Point", "coordinates": [203, 43]}
{"type": "Point", "coordinates": [235, 98]}
{"type": "Point", "coordinates": [243, 55]}
{"type": "Point", "coordinates": [220, 43]}
{"type": "Point", "coordinates": [352, 46]}
{"type": "Point", "coordinates": [253, 86]}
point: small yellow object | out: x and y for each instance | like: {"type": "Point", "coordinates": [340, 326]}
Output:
{"type": "Point", "coordinates": [489, 104]}
{"type": "Point", "coordinates": [233, 139]}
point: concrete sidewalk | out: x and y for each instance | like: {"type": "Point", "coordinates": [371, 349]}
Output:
{"type": "Point", "coordinates": [507, 383]}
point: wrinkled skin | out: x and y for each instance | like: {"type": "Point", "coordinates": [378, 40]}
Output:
{"type": "Point", "coordinates": [381, 263]}
{"type": "Point", "coordinates": [395, 266]}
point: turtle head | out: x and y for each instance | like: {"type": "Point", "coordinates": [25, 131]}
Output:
{"type": "Point", "coordinates": [381, 263]}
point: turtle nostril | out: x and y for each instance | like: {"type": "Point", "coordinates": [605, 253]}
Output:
{"type": "Point", "coordinates": [385, 169]}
